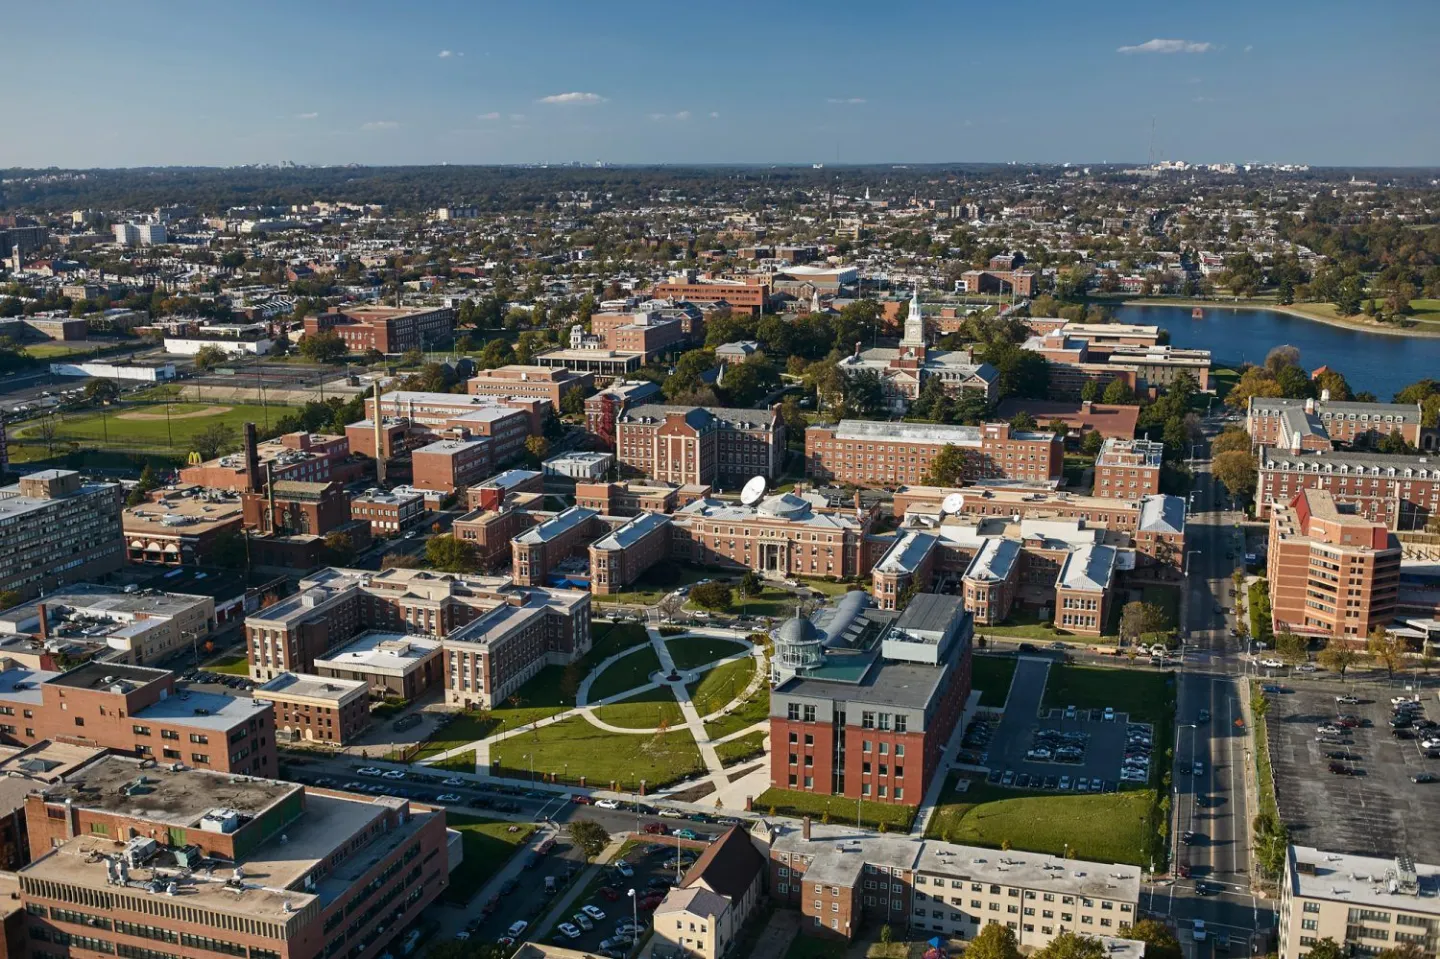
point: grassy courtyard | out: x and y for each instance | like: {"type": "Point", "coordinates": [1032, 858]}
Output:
{"type": "Point", "coordinates": [873, 815]}
{"type": "Point", "coordinates": [741, 748]}
{"type": "Point", "coordinates": [632, 670]}
{"type": "Point", "coordinates": [647, 710]}
{"type": "Point", "coordinates": [755, 709]}
{"type": "Point", "coordinates": [574, 748]}
{"type": "Point", "coordinates": [690, 652]}
{"type": "Point", "coordinates": [1147, 696]}
{"type": "Point", "coordinates": [992, 675]}
{"type": "Point", "coordinates": [488, 845]}
{"type": "Point", "coordinates": [655, 583]}
{"type": "Point", "coordinates": [1104, 827]}
{"type": "Point", "coordinates": [720, 685]}
{"type": "Point", "coordinates": [234, 664]}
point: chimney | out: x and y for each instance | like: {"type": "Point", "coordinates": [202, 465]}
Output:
{"type": "Point", "coordinates": [379, 438]}
{"type": "Point", "coordinates": [857, 349]}
{"type": "Point", "coordinates": [805, 829]}
{"type": "Point", "coordinates": [269, 526]}
{"type": "Point", "coordinates": [1310, 405]}
{"type": "Point", "coordinates": [1086, 406]}
{"type": "Point", "coordinates": [44, 624]}
{"type": "Point", "coordinates": [252, 459]}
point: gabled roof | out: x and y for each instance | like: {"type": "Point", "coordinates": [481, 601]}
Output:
{"type": "Point", "coordinates": [728, 867]}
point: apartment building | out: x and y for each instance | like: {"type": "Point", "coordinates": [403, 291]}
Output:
{"type": "Point", "coordinates": [506, 421]}
{"type": "Point", "coordinates": [704, 914]}
{"type": "Point", "coordinates": [317, 709]}
{"type": "Point", "coordinates": [491, 530]}
{"type": "Point", "coordinates": [1402, 492]}
{"type": "Point", "coordinates": [602, 409]}
{"type": "Point", "coordinates": [1332, 572]}
{"type": "Point", "coordinates": [868, 717]}
{"type": "Point", "coordinates": [231, 867]}
{"type": "Point", "coordinates": [390, 665]}
{"type": "Point", "coordinates": [699, 445]}
{"type": "Point", "coordinates": [1128, 468]}
{"type": "Point", "coordinates": [747, 294]}
{"type": "Point", "coordinates": [838, 879]}
{"type": "Point", "coordinates": [1312, 424]}
{"type": "Point", "coordinates": [871, 453]}
{"type": "Point", "coordinates": [448, 465]}
{"type": "Point", "coordinates": [181, 527]}
{"type": "Point", "coordinates": [1365, 904]}
{"type": "Point", "coordinates": [57, 529]}
{"type": "Point", "coordinates": [388, 329]}
{"type": "Point", "coordinates": [135, 710]}
{"type": "Point", "coordinates": [496, 653]}
{"type": "Point", "coordinates": [388, 513]}
{"type": "Point", "coordinates": [619, 557]}
{"type": "Point", "coordinates": [540, 548]}
{"type": "Point", "coordinates": [522, 380]}
{"type": "Point", "coordinates": [142, 626]}
{"type": "Point", "coordinates": [648, 334]}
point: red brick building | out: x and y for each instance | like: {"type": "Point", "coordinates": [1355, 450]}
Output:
{"type": "Point", "coordinates": [1402, 492]}
{"type": "Point", "coordinates": [308, 457]}
{"type": "Point", "coordinates": [520, 380]}
{"type": "Point", "coordinates": [1319, 424]}
{"type": "Point", "coordinates": [317, 709]}
{"type": "Point", "coordinates": [388, 329]}
{"type": "Point", "coordinates": [1128, 469]}
{"type": "Point", "coordinates": [388, 513]}
{"type": "Point", "coordinates": [602, 409]}
{"type": "Point", "coordinates": [699, 445]}
{"type": "Point", "coordinates": [292, 506]}
{"type": "Point", "coordinates": [748, 294]}
{"type": "Point", "coordinates": [448, 465]}
{"type": "Point", "coordinates": [871, 453]}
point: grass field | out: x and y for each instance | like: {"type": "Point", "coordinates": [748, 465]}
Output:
{"type": "Point", "coordinates": [1105, 827]}
{"type": "Point", "coordinates": [827, 586]}
{"type": "Point", "coordinates": [655, 583]}
{"type": "Point", "coordinates": [458, 763]}
{"type": "Point", "coordinates": [789, 802]}
{"type": "Point", "coordinates": [692, 651]}
{"type": "Point", "coordinates": [488, 845]}
{"type": "Point", "coordinates": [1167, 598]}
{"type": "Point", "coordinates": [722, 684]}
{"type": "Point", "coordinates": [54, 350]}
{"type": "Point", "coordinates": [1224, 379]}
{"type": "Point", "coordinates": [231, 665]}
{"type": "Point", "coordinates": [111, 428]}
{"type": "Point", "coordinates": [1425, 313]}
{"type": "Point", "coordinates": [632, 670]}
{"type": "Point", "coordinates": [646, 710]}
{"type": "Point", "coordinates": [755, 709]}
{"type": "Point", "coordinates": [1148, 697]}
{"type": "Point", "coordinates": [992, 675]}
{"type": "Point", "coordinates": [573, 748]}
{"type": "Point", "coordinates": [741, 748]}
{"type": "Point", "coordinates": [772, 602]}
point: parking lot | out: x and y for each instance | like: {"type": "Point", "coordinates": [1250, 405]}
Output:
{"type": "Point", "coordinates": [1368, 803]}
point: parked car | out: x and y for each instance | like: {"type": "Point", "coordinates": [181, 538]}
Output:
{"type": "Point", "coordinates": [594, 912]}
{"type": "Point", "coordinates": [448, 798]}
{"type": "Point", "coordinates": [517, 928]}
{"type": "Point", "coordinates": [570, 931]}
{"type": "Point", "coordinates": [607, 803]}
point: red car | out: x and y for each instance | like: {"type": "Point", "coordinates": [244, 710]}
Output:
{"type": "Point", "coordinates": [580, 800]}
{"type": "Point", "coordinates": [655, 828]}
{"type": "Point", "coordinates": [608, 893]}
{"type": "Point", "coordinates": [546, 846]}
{"type": "Point", "coordinates": [650, 902]}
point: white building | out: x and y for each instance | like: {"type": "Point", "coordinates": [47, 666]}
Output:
{"type": "Point", "coordinates": [579, 465]}
{"type": "Point", "coordinates": [139, 234]}
{"type": "Point", "coordinates": [144, 372]}
{"type": "Point", "coordinates": [244, 338]}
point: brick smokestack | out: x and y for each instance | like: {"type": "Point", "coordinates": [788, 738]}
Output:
{"type": "Point", "coordinates": [252, 459]}
{"type": "Point", "coordinates": [805, 829]}
{"type": "Point", "coordinates": [44, 624]}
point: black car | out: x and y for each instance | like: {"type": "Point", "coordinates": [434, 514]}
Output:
{"type": "Point", "coordinates": [1206, 889]}
{"type": "Point", "coordinates": [510, 886]}
{"type": "Point", "coordinates": [1403, 733]}
{"type": "Point", "coordinates": [1188, 837]}
{"type": "Point", "coordinates": [1422, 778]}
{"type": "Point", "coordinates": [1027, 647]}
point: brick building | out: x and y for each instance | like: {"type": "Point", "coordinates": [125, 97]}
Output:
{"type": "Point", "coordinates": [491, 531]}
{"type": "Point", "coordinates": [388, 329]}
{"type": "Point", "coordinates": [56, 528]}
{"type": "Point", "coordinates": [870, 720]}
{"type": "Point", "coordinates": [1402, 492]}
{"type": "Point", "coordinates": [540, 548]}
{"type": "Point", "coordinates": [748, 294]}
{"type": "Point", "coordinates": [289, 507]}
{"type": "Point", "coordinates": [1128, 468]}
{"type": "Point", "coordinates": [138, 627]}
{"type": "Point", "coordinates": [448, 465]}
{"type": "Point", "coordinates": [646, 333]}
{"type": "Point", "coordinates": [388, 513]}
{"type": "Point", "coordinates": [1318, 548]}
{"type": "Point", "coordinates": [871, 453]}
{"type": "Point", "coordinates": [521, 380]}
{"type": "Point", "coordinates": [1312, 424]}
{"type": "Point", "coordinates": [602, 409]}
{"type": "Point", "coordinates": [700, 445]}
{"type": "Point", "coordinates": [135, 710]}
{"type": "Point", "coordinates": [1110, 420]}
{"type": "Point", "coordinates": [389, 665]}
{"type": "Point", "coordinates": [794, 534]}
{"type": "Point", "coordinates": [618, 558]}
{"type": "Point", "coordinates": [317, 709]}
{"type": "Point", "coordinates": [182, 527]}
{"type": "Point", "coordinates": [489, 416]}
{"type": "Point", "coordinates": [307, 457]}
{"type": "Point", "coordinates": [497, 652]}
{"type": "Point", "coordinates": [631, 497]}
{"type": "Point", "coordinates": [233, 867]}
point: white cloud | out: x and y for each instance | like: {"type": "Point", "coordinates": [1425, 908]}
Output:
{"type": "Point", "coordinates": [849, 101]}
{"type": "Point", "coordinates": [1248, 48]}
{"type": "Point", "coordinates": [683, 115]}
{"type": "Point", "coordinates": [306, 116]}
{"type": "Point", "coordinates": [517, 117]}
{"type": "Point", "coordinates": [573, 97]}
{"type": "Point", "coordinates": [379, 125]}
{"type": "Point", "coordinates": [714, 115]}
{"type": "Point", "coordinates": [488, 116]}
{"type": "Point", "coordinates": [660, 117]}
{"type": "Point", "coordinates": [446, 54]}
{"type": "Point", "coordinates": [1168, 46]}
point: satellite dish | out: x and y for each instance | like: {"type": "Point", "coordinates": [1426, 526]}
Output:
{"type": "Point", "coordinates": [753, 490]}
{"type": "Point", "coordinates": [952, 503]}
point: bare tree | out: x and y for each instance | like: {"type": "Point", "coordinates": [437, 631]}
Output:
{"type": "Point", "coordinates": [47, 427]}
{"type": "Point", "coordinates": [670, 605]}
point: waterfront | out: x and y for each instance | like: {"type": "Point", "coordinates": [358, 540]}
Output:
{"type": "Point", "coordinates": [1370, 361]}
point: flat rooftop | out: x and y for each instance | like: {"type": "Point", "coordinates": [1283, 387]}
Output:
{"type": "Point", "coordinates": [1364, 880]}
{"type": "Point", "coordinates": [309, 686]}
{"type": "Point", "coordinates": [22, 685]}
{"type": "Point", "coordinates": [182, 515]}
{"type": "Point", "coordinates": [94, 675]}
{"type": "Point", "coordinates": [13, 504]}
{"type": "Point", "coordinates": [202, 710]}
{"type": "Point", "coordinates": [882, 684]}
{"type": "Point", "coordinates": [379, 652]}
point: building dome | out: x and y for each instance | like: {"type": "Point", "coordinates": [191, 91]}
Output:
{"type": "Point", "coordinates": [784, 506]}
{"type": "Point", "coordinates": [799, 645]}
{"type": "Point", "coordinates": [797, 630]}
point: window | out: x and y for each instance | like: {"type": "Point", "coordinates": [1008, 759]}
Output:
{"type": "Point", "coordinates": [141, 730]}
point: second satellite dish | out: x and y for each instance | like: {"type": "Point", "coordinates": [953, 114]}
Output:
{"type": "Point", "coordinates": [952, 503]}
{"type": "Point", "coordinates": [754, 489]}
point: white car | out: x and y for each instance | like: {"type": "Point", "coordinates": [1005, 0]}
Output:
{"type": "Point", "coordinates": [1109, 714]}
{"type": "Point", "coordinates": [394, 774]}
{"type": "Point", "coordinates": [371, 771]}
{"type": "Point", "coordinates": [583, 921]}
{"type": "Point", "coordinates": [1272, 664]}
{"type": "Point", "coordinates": [594, 912]}
{"type": "Point", "coordinates": [607, 803]}
{"type": "Point", "coordinates": [570, 931]}
{"type": "Point", "coordinates": [1199, 930]}
{"type": "Point", "coordinates": [453, 781]}
{"type": "Point", "coordinates": [665, 813]}
{"type": "Point", "coordinates": [449, 798]}
{"type": "Point", "coordinates": [517, 928]}
{"type": "Point", "coordinates": [1306, 668]}
{"type": "Point", "coordinates": [624, 869]}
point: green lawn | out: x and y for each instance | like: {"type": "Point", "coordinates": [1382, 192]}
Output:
{"type": "Point", "coordinates": [235, 664]}
{"type": "Point", "coordinates": [56, 349]}
{"type": "Point", "coordinates": [1146, 696]}
{"type": "Point", "coordinates": [1261, 625]}
{"type": "Point", "coordinates": [655, 583]}
{"type": "Point", "coordinates": [645, 710]}
{"type": "Point", "coordinates": [488, 845]}
{"type": "Point", "coordinates": [772, 602]}
{"type": "Point", "coordinates": [754, 710]}
{"type": "Point", "coordinates": [827, 586]}
{"type": "Point", "coordinates": [1223, 379]}
{"type": "Point", "coordinates": [795, 803]}
{"type": "Point", "coordinates": [1425, 313]}
{"type": "Point", "coordinates": [458, 763]}
{"type": "Point", "coordinates": [632, 670]}
{"type": "Point", "coordinates": [1104, 827]}
{"type": "Point", "coordinates": [471, 725]}
{"type": "Point", "coordinates": [741, 748]}
{"type": "Point", "coordinates": [1024, 623]}
{"type": "Point", "coordinates": [690, 652]}
{"type": "Point", "coordinates": [722, 684]}
{"type": "Point", "coordinates": [992, 675]}
{"type": "Point", "coordinates": [575, 748]}
{"type": "Point", "coordinates": [111, 427]}
{"type": "Point", "coordinates": [1167, 598]}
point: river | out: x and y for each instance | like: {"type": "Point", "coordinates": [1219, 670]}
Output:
{"type": "Point", "coordinates": [1370, 361]}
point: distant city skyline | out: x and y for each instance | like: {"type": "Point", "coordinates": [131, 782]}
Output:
{"type": "Point", "coordinates": [1327, 82]}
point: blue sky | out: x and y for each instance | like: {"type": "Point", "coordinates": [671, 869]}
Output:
{"type": "Point", "coordinates": [138, 83]}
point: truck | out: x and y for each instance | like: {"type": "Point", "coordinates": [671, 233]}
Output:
{"type": "Point", "coordinates": [549, 885]}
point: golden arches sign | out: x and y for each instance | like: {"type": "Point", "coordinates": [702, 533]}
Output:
{"type": "Point", "coordinates": [193, 459]}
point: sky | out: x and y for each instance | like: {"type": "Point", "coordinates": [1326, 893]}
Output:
{"type": "Point", "coordinates": [140, 83]}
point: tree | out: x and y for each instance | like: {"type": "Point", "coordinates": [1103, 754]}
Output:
{"type": "Point", "coordinates": [886, 935]}
{"type": "Point", "coordinates": [994, 941]}
{"type": "Point", "coordinates": [1070, 945]}
{"type": "Point", "coordinates": [1118, 392]}
{"type": "Point", "coordinates": [451, 555]}
{"type": "Point", "coordinates": [1091, 443]}
{"type": "Point", "coordinates": [102, 390]}
{"type": "Point", "coordinates": [1333, 382]}
{"type": "Point", "coordinates": [1404, 950]}
{"type": "Point", "coordinates": [1260, 706]}
{"type": "Point", "coordinates": [1159, 939]}
{"type": "Point", "coordinates": [1291, 648]}
{"type": "Point", "coordinates": [1091, 391]}
{"type": "Point", "coordinates": [1237, 470]}
{"type": "Point", "coordinates": [1023, 420]}
{"type": "Point", "coordinates": [9, 599]}
{"type": "Point", "coordinates": [1349, 296]}
{"type": "Point", "coordinates": [209, 357]}
{"type": "Point", "coordinates": [147, 482]}
{"type": "Point", "coordinates": [573, 401]}
{"type": "Point", "coordinates": [538, 448]}
{"type": "Point", "coordinates": [213, 440]}
{"type": "Point", "coordinates": [1387, 649]}
{"type": "Point", "coordinates": [670, 605]}
{"type": "Point", "coordinates": [1138, 619]}
{"type": "Point", "coordinates": [1338, 656]}
{"type": "Point", "coordinates": [412, 357]}
{"type": "Point", "coordinates": [1280, 357]}
{"type": "Point", "coordinates": [713, 595]}
{"type": "Point", "coordinates": [399, 561]}
{"type": "Point", "coordinates": [947, 468]}
{"type": "Point", "coordinates": [751, 584]}
{"type": "Point", "coordinates": [589, 836]}
{"type": "Point", "coordinates": [745, 384]}
{"type": "Point", "coordinates": [1327, 948]}
{"type": "Point", "coordinates": [323, 347]}
{"type": "Point", "coordinates": [1295, 384]}
{"type": "Point", "coordinates": [1059, 427]}
{"type": "Point", "coordinates": [1233, 438]}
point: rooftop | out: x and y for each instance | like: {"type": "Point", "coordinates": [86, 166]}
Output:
{"type": "Point", "coordinates": [102, 603]}
{"type": "Point", "coordinates": [883, 684]}
{"type": "Point", "coordinates": [183, 514]}
{"type": "Point", "coordinates": [114, 677]}
{"type": "Point", "coordinates": [451, 447]}
{"type": "Point", "coordinates": [309, 686]}
{"type": "Point", "coordinates": [393, 653]}
{"type": "Point", "coordinates": [1088, 568]}
{"type": "Point", "coordinates": [14, 505]}
{"type": "Point", "coordinates": [631, 531]}
{"type": "Point", "coordinates": [557, 525]}
{"type": "Point", "coordinates": [1399, 884]}
{"type": "Point", "coordinates": [202, 710]}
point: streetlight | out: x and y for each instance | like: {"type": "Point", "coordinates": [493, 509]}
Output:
{"type": "Point", "coordinates": [635, 918]}
{"type": "Point", "coordinates": [1189, 553]}
{"type": "Point", "coordinates": [1175, 785]}
{"type": "Point", "coordinates": [531, 757]}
